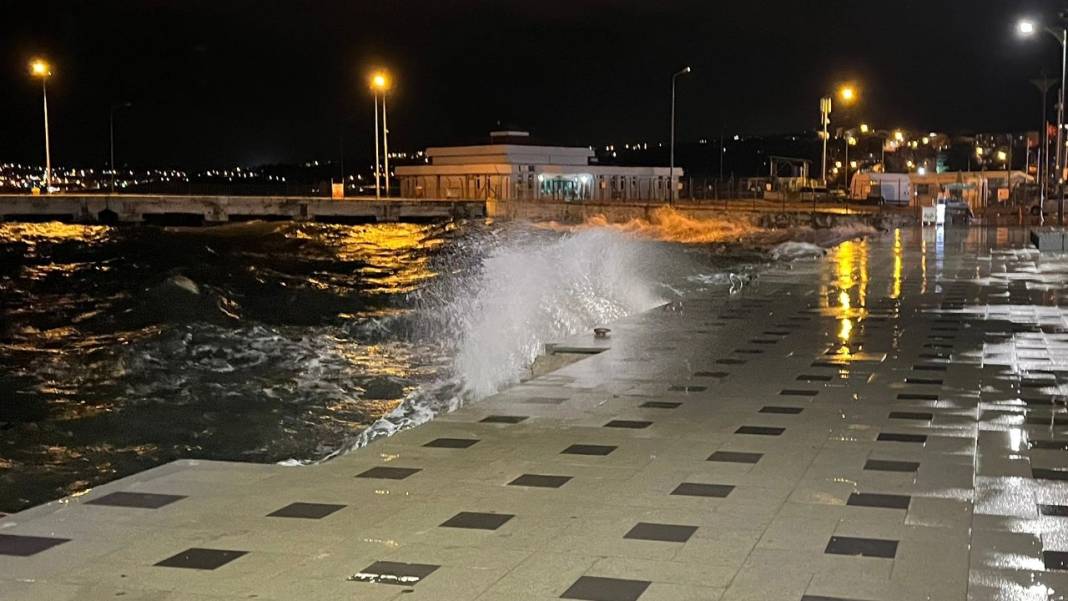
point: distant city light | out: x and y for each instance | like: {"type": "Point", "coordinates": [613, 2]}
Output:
{"type": "Point", "coordinates": [864, 128]}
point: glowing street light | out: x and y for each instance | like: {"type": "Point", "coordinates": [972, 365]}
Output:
{"type": "Point", "coordinates": [864, 128]}
{"type": "Point", "coordinates": [847, 94]}
{"type": "Point", "coordinates": [1025, 27]}
{"type": "Point", "coordinates": [380, 85]}
{"type": "Point", "coordinates": [1028, 28]}
{"type": "Point", "coordinates": [671, 164]}
{"type": "Point", "coordinates": [39, 68]}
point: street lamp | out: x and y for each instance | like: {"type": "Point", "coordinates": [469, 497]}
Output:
{"type": "Point", "coordinates": [1028, 28]}
{"type": "Point", "coordinates": [111, 137]}
{"type": "Point", "coordinates": [39, 68]}
{"type": "Point", "coordinates": [380, 84]}
{"type": "Point", "coordinates": [671, 163]}
{"type": "Point", "coordinates": [848, 95]}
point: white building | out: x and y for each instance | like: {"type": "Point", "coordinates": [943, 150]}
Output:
{"type": "Point", "coordinates": [509, 169]}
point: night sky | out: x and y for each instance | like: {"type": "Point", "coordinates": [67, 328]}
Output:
{"type": "Point", "coordinates": [232, 82]}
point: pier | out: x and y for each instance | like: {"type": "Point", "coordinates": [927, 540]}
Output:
{"type": "Point", "coordinates": [882, 425]}
{"type": "Point", "coordinates": [208, 210]}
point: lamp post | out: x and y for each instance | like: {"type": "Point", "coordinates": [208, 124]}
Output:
{"type": "Point", "coordinates": [41, 69]}
{"type": "Point", "coordinates": [847, 94]}
{"type": "Point", "coordinates": [379, 86]}
{"type": "Point", "coordinates": [1042, 160]}
{"type": "Point", "coordinates": [111, 137]}
{"type": "Point", "coordinates": [1028, 28]}
{"type": "Point", "coordinates": [671, 164]}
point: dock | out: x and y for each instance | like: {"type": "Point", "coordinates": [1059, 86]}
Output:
{"type": "Point", "coordinates": [208, 210]}
{"type": "Point", "coordinates": [885, 424]}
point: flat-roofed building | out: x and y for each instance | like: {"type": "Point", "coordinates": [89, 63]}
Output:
{"type": "Point", "coordinates": [510, 169]}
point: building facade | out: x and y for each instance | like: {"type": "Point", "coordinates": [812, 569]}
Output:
{"type": "Point", "coordinates": [509, 169]}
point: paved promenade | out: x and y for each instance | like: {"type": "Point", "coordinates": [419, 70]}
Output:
{"type": "Point", "coordinates": [877, 426]}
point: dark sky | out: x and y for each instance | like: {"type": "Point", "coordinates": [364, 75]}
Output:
{"type": "Point", "coordinates": [242, 82]}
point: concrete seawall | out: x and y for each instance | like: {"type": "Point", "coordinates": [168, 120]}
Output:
{"type": "Point", "coordinates": [204, 210]}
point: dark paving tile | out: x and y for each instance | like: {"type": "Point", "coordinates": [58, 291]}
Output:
{"type": "Point", "coordinates": [830, 364]}
{"type": "Point", "coordinates": [311, 511]}
{"type": "Point", "coordinates": [682, 388]}
{"type": "Point", "coordinates": [929, 367]}
{"type": "Point", "coordinates": [879, 500]}
{"type": "Point", "coordinates": [545, 400]}
{"type": "Point", "coordinates": [660, 405]}
{"type": "Point", "coordinates": [1049, 445]}
{"type": "Point", "coordinates": [201, 559]}
{"type": "Point", "coordinates": [588, 449]}
{"type": "Point", "coordinates": [735, 457]}
{"type": "Point", "coordinates": [897, 437]}
{"type": "Point", "coordinates": [141, 500]}
{"type": "Point", "coordinates": [731, 361]}
{"type": "Point", "coordinates": [797, 392]}
{"type": "Point", "coordinates": [504, 419]}
{"type": "Point", "coordinates": [814, 378]}
{"type": "Point", "coordinates": [389, 473]}
{"type": "Point", "coordinates": [1060, 511]}
{"type": "Point", "coordinates": [760, 430]}
{"type": "Point", "coordinates": [668, 533]}
{"type": "Point", "coordinates": [451, 443]}
{"type": "Point", "coordinates": [821, 598]}
{"type": "Point", "coordinates": [885, 465]}
{"type": "Point", "coordinates": [477, 521]}
{"type": "Point", "coordinates": [1055, 560]}
{"type": "Point", "coordinates": [762, 341]}
{"type": "Point", "coordinates": [711, 374]}
{"type": "Point", "coordinates": [696, 489]}
{"type": "Point", "coordinates": [749, 351]}
{"type": "Point", "coordinates": [776, 333]}
{"type": "Point", "coordinates": [595, 588]}
{"type": "Point", "coordinates": [25, 546]}
{"type": "Point", "coordinates": [540, 481]}
{"type": "Point", "coordinates": [865, 547]}
{"type": "Point", "coordinates": [781, 410]}
{"type": "Point", "coordinates": [1037, 420]}
{"type": "Point", "coordinates": [1032, 401]}
{"type": "Point", "coordinates": [935, 355]}
{"type": "Point", "coordinates": [924, 381]}
{"type": "Point", "coordinates": [936, 345]}
{"type": "Point", "coordinates": [1048, 474]}
{"type": "Point", "coordinates": [917, 415]}
{"type": "Point", "coordinates": [913, 396]}
{"type": "Point", "coordinates": [628, 424]}
{"type": "Point", "coordinates": [390, 572]}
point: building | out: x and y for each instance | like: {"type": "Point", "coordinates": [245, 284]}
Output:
{"type": "Point", "coordinates": [978, 189]}
{"type": "Point", "coordinates": [510, 168]}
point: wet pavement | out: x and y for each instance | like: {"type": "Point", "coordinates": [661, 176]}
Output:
{"type": "Point", "coordinates": [885, 424]}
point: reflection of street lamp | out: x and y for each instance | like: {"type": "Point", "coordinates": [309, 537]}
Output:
{"type": "Point", "coordinates": [1028, 28]}
{"type": "Point", "coordinates": [41, 69]}
{"type": "Point", "coordinates": [380, 84]}
{"type": "Point", "coordinates": [671, 167]}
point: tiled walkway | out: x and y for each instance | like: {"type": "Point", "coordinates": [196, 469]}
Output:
{"type": "Point", "coordinates": [882, 425]}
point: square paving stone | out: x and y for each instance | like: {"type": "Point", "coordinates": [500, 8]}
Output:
{"type": "Point", "coordinates": [917, 415]}
{"type": "Point", "coordinates": [879, 500]}
{"type": "Point", "coordinates": [595, 588]}
{"type": "Point", "coordinates": [391, 572]}
{"type": "Point", "coordinates": [477, 521]}
{"type": "Point", "coordinates": [660, 405]}
{"type": "Point", "coordinates": [1060, 511]}
{"type": "Point", "coordinates": [1049, 445]}
{"type": "Point", "coordinates": [681, 388]}
{"type": "Point", "coordinates": [864, 547]}
{"type": "Point", "coordinates": [668, 533]}
{"type": "Point", "coordinates": [1055, 560]}
{"type": "Point", "coordinates": [1045, 421]}
{"type": "Point", "coordinates": [1049, 474]}
{"type": "Point", "coordinates": [695, 489]}
{"type": "Point", "coordinates": [451, 443]}
{"type": "Point", "coordinates": [913, 396]}
{"type": "Point", "coordinates": [201, 559]}
{"type": "Point", "coordinates": [25, 546]}
{"type": "Point", "coordinates": [628, 424]}
{"type": "Point", "coordinates": [389, 473]}
{"type": "Point", "coordinates": [797, 392]}
{"type": "Point", "coordinates": [310, 511]}
{"type": "Point", "coordinates": [781, 410]}
{"type": "Point", "coordinates": [885, 465]}
{"type": "Point", "coordinates": [897, 437]}
{"type": "Point", "coordinates": [141, 500]}
{"type": "Point", "coordinates": [588, 449]}
{"type": "Point", "coordinates": [503, 419]}
{"type": "Point", "coordinates": [540, 481]}
{"type": "Point", "coordinates": [735, 457]}
{"type": "Point", "coordinates": [760, 430]}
